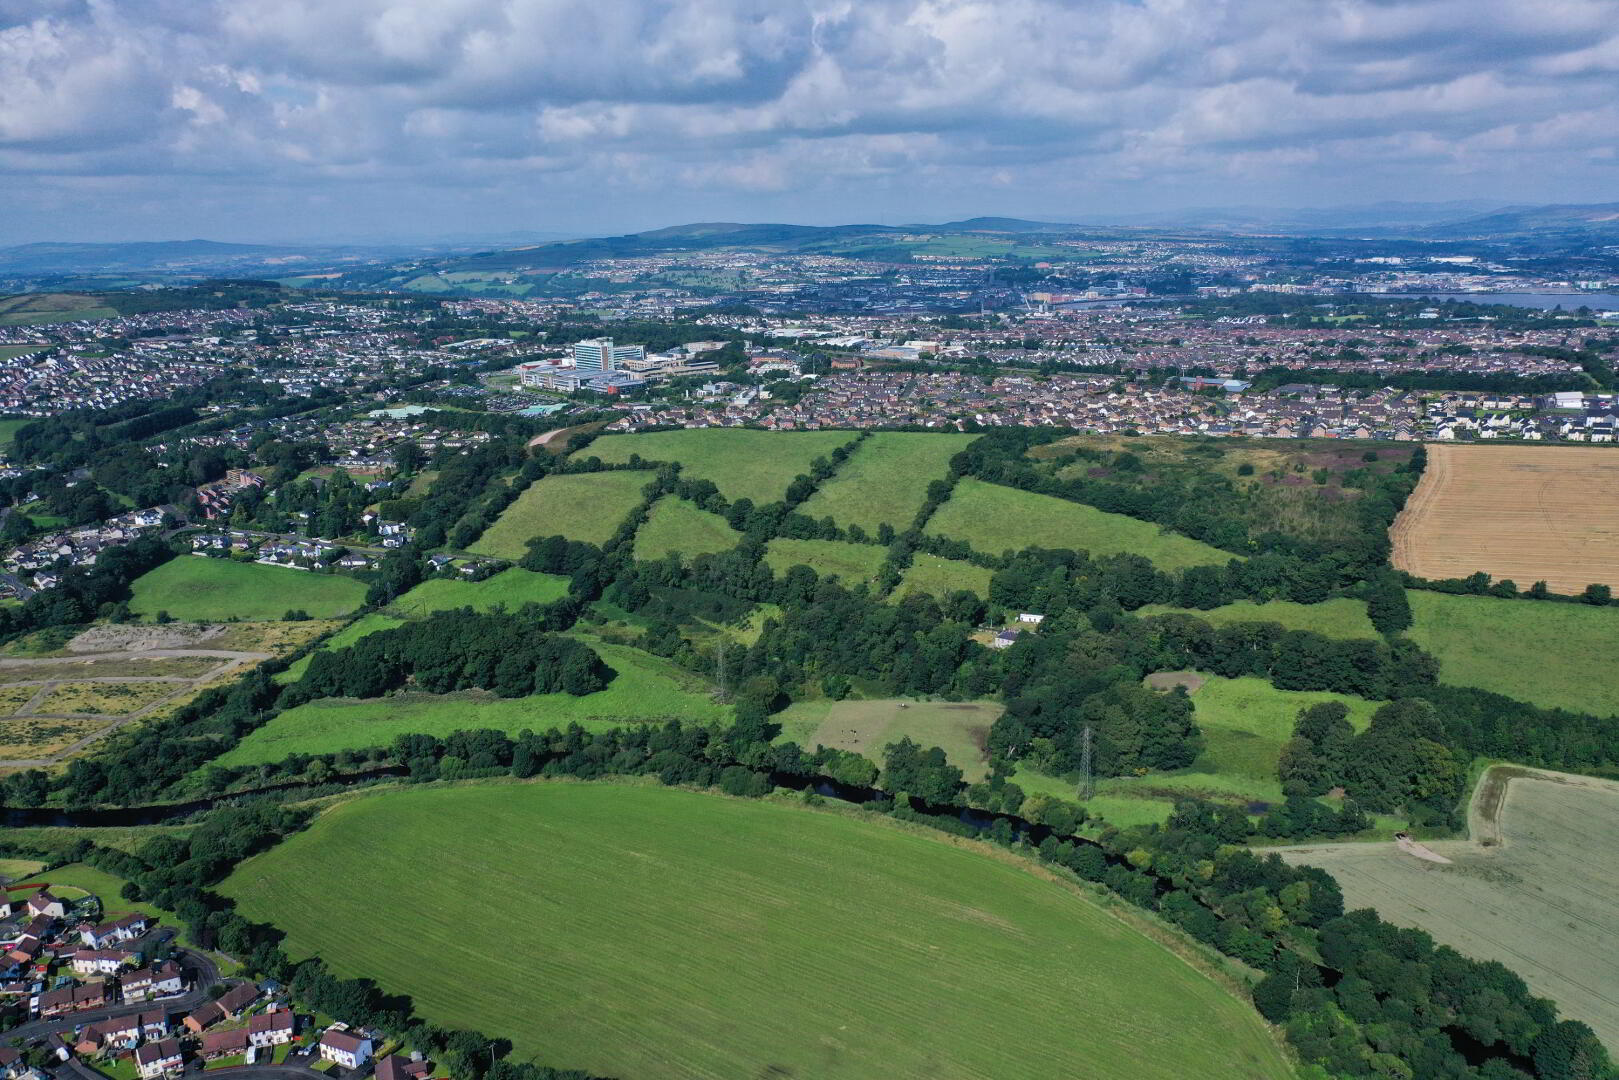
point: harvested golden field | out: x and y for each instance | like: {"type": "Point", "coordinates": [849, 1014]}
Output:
{"type": "Point", "coordinates": [1528, 513]}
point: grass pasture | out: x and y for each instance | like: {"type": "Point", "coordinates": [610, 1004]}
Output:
{"type": "Point", "coordinates": [959, 728]}
{"type": "Point", "coordinates": [39, 309]}
{"type": "Point", "coordinates": [9, 426]}
{"type": "Point", "coordinates": [993, 519]}
{"type": "Point", "coordinates": [646, 932]}
{"type": "Point", "coordinates": [1484, 641]}
{"type": "Point", "coordinates": [885, 480]}
{"type": "Point", "coordinates": [1244, 723]}
{"type": "Point", "coordinates": [1338, 618]}
{"type": "Point", "coordinates": [742, 463]}
{"type": "Point", "coordinates": [1525, 512]}
{"type": "Point", "coordinates": [675, 525]}
{"type": "Point", "coordinates": [940, 577]}
{"type": "Point", "coordinates": [1539, 899]}
{"type": "Point", "coordinates": [646, 689]}
{"type": "Point", "coordinates": [1247, 720]}
{"type": "Point", "coordinates": [588, 507]}
{"type": "Point", "coordinates": [853, 563]}
{"type": "Point", "coordinates": [194, 589]}
{"type": "Point", "coordinates": [512, 587]}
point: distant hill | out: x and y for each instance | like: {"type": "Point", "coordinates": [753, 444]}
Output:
{"type": "Point", "coordinates": [1593, 221]}
{"type": "Point", "coordinates": [143, 255]}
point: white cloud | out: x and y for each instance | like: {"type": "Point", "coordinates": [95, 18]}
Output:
{"type": "Point", "coordinates": [793, 98]}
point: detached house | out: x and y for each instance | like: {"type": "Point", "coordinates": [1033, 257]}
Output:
{"type": "Point", "coordinates": [46, 903]}
{"type": "Point", "coordinates": [347, 1050]}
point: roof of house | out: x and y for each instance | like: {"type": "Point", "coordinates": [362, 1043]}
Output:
{"type": "Point", "coordinates": [273, 1021]}
{"type": "Point", "coordinates": [217, 1041]}
{"type": "Point", "coordinates": [342, 1040]}
{"type": "Point", "coordinates": [158, 1051]}
{"type": "Point", "coordinates": [237, 997]}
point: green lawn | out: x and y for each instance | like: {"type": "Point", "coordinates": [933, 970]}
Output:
{"type": "Point", "coordinates": [1339, 618]}
{"type": "Point", "coordinates": [994, 519]}
{"type": "Point", "coordinates": [88, 879]}
{"type": "Point", "coordinates": [940, 577]}
{"type": "Point", "coordinates": [194, 589]}
{"type": "Point", "coordinates": [742, 463]}
{"type": "Point", "coordinates": [647, 688]}
{"type": "Point", "coordinates": [369, 623]}
{"type": "Point", "coordinates": [581, 506]}
{"type": "Point", "coordinates": [853, 563]}
{"type": "Point", "coordinates": [1550, 654]}
{"type": "Point", "coordinates": [885, 481]}
{"type": "Point", "coordinates": [646, 932]}
{"type": "Point", "coordinates": [9, 428]}
{"type": "Point", "coordinates": [512, 587]}
{"type": "Point", "coordinates": [959, 728]}
{"type": "Point", "coordinates": [675, 525]}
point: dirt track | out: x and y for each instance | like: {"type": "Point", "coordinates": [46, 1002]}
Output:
{"type": "Point", "coordinates": [1528, 513]}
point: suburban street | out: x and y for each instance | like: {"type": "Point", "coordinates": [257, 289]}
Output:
{"type": "Point", "coordinates": [200, 970]}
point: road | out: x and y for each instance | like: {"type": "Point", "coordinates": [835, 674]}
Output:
{"type": "Point", "coordinates": [204, 976]}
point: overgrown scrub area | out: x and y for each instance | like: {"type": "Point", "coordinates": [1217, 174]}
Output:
{"type": "Point", "coordinates": [1278, 493]}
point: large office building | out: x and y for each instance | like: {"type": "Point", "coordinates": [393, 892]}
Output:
{"type": "Point", "coordinates": [600, 354]}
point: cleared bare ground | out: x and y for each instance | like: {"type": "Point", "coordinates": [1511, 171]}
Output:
{"type": "Point", "coordinates": [1528, 513]}
{"type": "Point", "coordinates": [1537, 888]}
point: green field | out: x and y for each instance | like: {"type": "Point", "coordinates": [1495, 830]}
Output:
{"type": "Point", "coordinates": [645, 932]}
{"type": "Point", "coordinates": [940, 577]}
{"type": "Point", "coordinates": [675, 525]}
{"type": "Point", "coordinates": [647, 688]}
{"type": "Point", "coordinates": [853, 563]}
{"type": "Point", "coordinates": [512, 587]}
{"type": "Point", "coordinates": [1549, 654]}
{"type": "Point", "coordinates": [11, 352]}
{"type": "Point", "coordinates": [9, 428]}
{"type": "Point", "coordinates": [1339, 618]}
{"type": "Point", "coordinates": [994, 519]}
{"type": "Point", "coordinates": [959, 728]}
{"type": "Point", "coordinates": [581, 506]}
{"type": "Point", "coordinates": [1247, 720]}
{"type": "Point", "coordinates": [369, 623]}
{"type": "Point", "coordinates": [194, 589]}
{"type": "Point", "coordinates": [1244, 723]}
{"type": "Point", "coordinates": [37, 309]}
{"type": "Point", "coordinates": [885, 481]}
{"type": "Point", "coordinates": [742, 463]}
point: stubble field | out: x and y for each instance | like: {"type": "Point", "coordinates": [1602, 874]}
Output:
{"type": "Point", "coordinates": [1528, 513]}
{"type": "Point", "coordinates": [1538, 895]}
{"type": "Point", "coordinates": [644, 932]}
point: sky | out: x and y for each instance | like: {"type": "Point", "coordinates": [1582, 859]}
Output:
{"type": "Point", "coordinates": [303, 120]}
